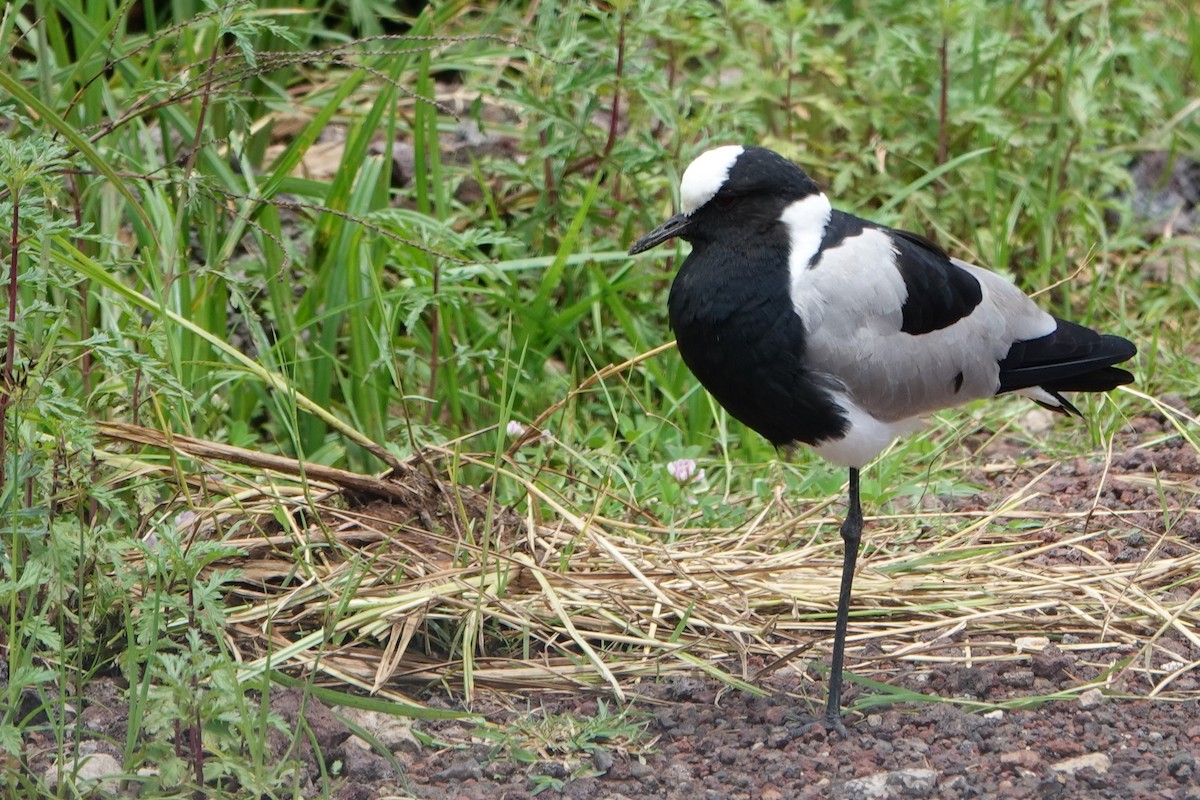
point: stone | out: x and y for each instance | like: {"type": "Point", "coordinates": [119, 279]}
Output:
{"type": "Point", "coordinates": [900, 783]}
{"type": "Point", "coordinates": [1182, 766]}
{"type": "Point", "coordinates": [1018, 678]}
{"type": "Point", "coordinates": [602, 760]}
{"type": "Point", "coordinates": [1097, 761]}
{"type": "Point", "coordinates": [1051, 662]}
{"type": "Point", "coordinates": [1090, 699]}
{"type": "Point", "coordinates": [1025, 759]}
{"type": "Point", "coordinates": [95, 772]}
{"type": "Point", "coordinates": [641, 771]}
{"type": "Point", "coordinates": [393, 732]}
{"type": "Point", "coordinates": [461, 770]}
{"type": "Point", "coordinates": [363, 765]}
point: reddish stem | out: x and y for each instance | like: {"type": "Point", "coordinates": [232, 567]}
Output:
{"type": "Point", "coordinates": [614, 117]}
{"type": "Point", "coordinates": [943, 133]}
{"type": "Point", "coordinates": [10, 350]}
{"type": "Point", "coordinates": [85, 362]}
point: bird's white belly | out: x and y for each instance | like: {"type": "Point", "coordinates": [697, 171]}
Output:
{"type": "Point", "coordinates": [866, 436]}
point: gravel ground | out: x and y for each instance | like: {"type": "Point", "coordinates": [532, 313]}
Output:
{"type": "Point", "coordinates": [715, 746]}
{"type": "Point", "coordinates": [693, 738]}
{"type": "Point", "coordinates": [701, 742]}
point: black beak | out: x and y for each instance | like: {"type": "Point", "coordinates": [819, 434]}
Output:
{"type": "Point", "coordinates": [673, 227]}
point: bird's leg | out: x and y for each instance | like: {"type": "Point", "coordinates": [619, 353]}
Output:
{"type": "Point", "coordinates": [851, 536]}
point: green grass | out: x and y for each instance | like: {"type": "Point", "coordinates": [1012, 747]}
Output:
{"type": "Point", "coordinates": [209, 241]}
{"type": "Point", "coordinates": [561, 747]}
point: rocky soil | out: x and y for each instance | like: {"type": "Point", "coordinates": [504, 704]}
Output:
{"type": "Point", "coordinates": [692, 738]}
{"type": "Point", "coordinates": [701, 743]}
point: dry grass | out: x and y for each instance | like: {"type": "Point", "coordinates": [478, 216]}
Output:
{"type": "Point", "coordinates": [387, 583]}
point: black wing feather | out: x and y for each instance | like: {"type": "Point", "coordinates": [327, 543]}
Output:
{"type": "Point", "coordinates": [1071, 359]}
{"type": "Point", "coordinates": [940, 292]}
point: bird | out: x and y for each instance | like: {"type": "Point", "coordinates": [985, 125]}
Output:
{"type": "Point", "coordinates": [815, 327]}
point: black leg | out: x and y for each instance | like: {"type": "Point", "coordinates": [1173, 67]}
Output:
{"type": "Point", "coordinates": [851, 536]}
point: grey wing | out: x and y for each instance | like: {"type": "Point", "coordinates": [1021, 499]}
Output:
{"type": "Point", "coordinates": [906, 329]}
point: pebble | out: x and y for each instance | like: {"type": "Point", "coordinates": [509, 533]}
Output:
{"type": "Point", "coordinates": [1182, 767]}
{"type": "Point", "coordinates": [1018, 678]}
{"type": "Point", "coordinates": [602, 760]}
{"type": "Point", "coordinates": [994, 714]}
{"type": "Point", "coordinates": [1097, 761]}
{"type": "Point", "coordinates": [1051, 662]}
{"type": "Point", "coordinates": [364, 764]}
{"type": "Point", "coordinates": [393, 732]}
{"type": "Point", "coordinates": [96, 771]}
{"type": "Point", "coordinates": [1026, 759]}
{"type": "Point", "coordinates": [778, 738]}
{"type": "Point", "coordinates": [461, 770]}
{"type": "Point", "coordinates": [901, 783]}
{"type": "Point", "coordinates": [958, 783]}
{"type": "Point", "coordinates": [1090, 699]}
{"type": "Point", "coordinates": [775, 715]}
{"type": "Point", "coordinates": [1052, 786]}
{"type": "Point", "coordinates": [912, 745]}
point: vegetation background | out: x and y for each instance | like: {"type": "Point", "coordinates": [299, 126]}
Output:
{"type": "Point", "coordinates": [285, 236]}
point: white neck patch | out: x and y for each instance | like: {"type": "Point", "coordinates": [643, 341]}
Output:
{"type": "Point", "coordinates": [705, 176]}
{"type": "Point", "coordinates": [806, 220]}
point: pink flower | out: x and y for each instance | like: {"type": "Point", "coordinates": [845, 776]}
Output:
{"type": "Point", "coordinates": [684, 470]}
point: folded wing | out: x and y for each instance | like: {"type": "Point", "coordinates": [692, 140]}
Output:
{"type": "Point", "coordinates": [908, 329]}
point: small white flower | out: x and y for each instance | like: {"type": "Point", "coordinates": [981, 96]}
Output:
{"type": "Point", "coordinates": [515, 429]}
{"type": "Point", "coordinates": [684, 470]}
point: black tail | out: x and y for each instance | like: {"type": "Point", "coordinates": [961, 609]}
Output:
{"type": "Point", "coordinates": [1072, 359]}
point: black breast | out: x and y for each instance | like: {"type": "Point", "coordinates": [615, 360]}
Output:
{"type": "Point", "coordinates": [739, 334]}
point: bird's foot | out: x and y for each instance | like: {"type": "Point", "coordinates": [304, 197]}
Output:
{"type": "Point", "coordinates": [834, 724]}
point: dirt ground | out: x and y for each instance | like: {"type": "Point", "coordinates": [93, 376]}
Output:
{"type": "Point", "coordinates": [697, 739]}
{"type": "Point", "coordinates": [703, 741]}
{"type": "Point", "coordinates": [714, 746]}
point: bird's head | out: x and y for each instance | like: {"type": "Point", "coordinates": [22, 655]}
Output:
{"type": "Point", "coordinates": [731, 187]}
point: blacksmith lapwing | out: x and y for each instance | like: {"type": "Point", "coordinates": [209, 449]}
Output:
{"type": "Point", "coordinates": [816, 327]}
